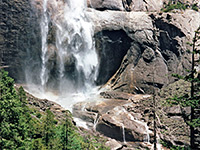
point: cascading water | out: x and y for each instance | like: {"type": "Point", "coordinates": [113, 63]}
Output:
{"type": "Point", "coordinates": [72, 67]}
{"type": "Point", "coordinates": [74, 39]}
{"type": "Point", "coordinates": [96, 121]}
{"type": "Point", "coordinates": [123, 133]}
{"type": "Point", "coordinates": [147, 137]}
{"type": "Point", "coordinates": [44, 32]}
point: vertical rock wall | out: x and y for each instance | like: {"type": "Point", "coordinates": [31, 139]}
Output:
{"type": "Point", "coordinates": [19, 34]}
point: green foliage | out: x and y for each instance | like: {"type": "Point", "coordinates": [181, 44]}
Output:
{"type": "Point", "coordinates": [173, 147]}
{"type": "Point", "coordinates": [38, 115]}
{"type": "Point", "coordinates": [194, 123]}
{"type": "Point", "coordinates": [20, 131]}
{"type": "Point", "coordinates": [195, 7]}
{"type": "Point", "coordinates": [169, 7]}
{"type": "Point", "coordinates": [191, 99]}
{"type": "Point", "coordinates": [179, 6]}
{"type": "Point", "coordinates": [14, 121]}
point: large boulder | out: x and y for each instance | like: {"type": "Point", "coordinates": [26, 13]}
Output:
{"type": "Point", "coordinates": [106, 4]}
{"type": "Point", "coordinates": [121, 125]}
{"type": "Point", "coordinates": [126, 5]}
{"type": "Point", "coordinates": [116, 118]}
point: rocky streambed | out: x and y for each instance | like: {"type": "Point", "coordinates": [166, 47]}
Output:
{"type": "Point", "coordinates": [125, 120]}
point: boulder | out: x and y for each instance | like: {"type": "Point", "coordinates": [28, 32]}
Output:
{"type": "Point", "coordinates": [113, 144]}
{"type": "Point", "coordinates": [126, 5]}
{"type": "Point", "coordinates": [106, 4]}
{"type": "Point", "coordinates": [146, 5]}
{"type": "Point", "coordinates": [115, 118]}
{"type": "Point", "coordinates": [121, 125]}
{"type": "Point", "coordinates": [117, 95]}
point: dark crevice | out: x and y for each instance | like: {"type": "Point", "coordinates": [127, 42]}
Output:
{"type": "Point", "coordinates": [120, 86]}
{"type": "Point", "coordinates": [111, 47]}
{"type": "Point", "coordinates": [157, 85]}
{"type": "Point", "coordinates": [172, 30]}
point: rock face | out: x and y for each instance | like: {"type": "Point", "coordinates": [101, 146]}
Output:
{"type": "Point", "coordinates": [135, 5]}
{"type": "Point", "coordinates": [157, 47]}
{"type": "Point", "coordinates": [19, 33]}
{"type": "Point", "coordinates": [134, 48]}
{"type": "Point", "coordinates": [126, 5]}
{"type": "Point", "coordinates": [112, 47]}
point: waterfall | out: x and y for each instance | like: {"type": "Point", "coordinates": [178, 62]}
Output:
{"type": "Point", "coordinates": [74, 39]}
{"type": "Point", "coordinates": [44, 32]}
{"type": "Point", "coordinates": [123, 133]}
{"type": "Point", "coordinates": [96, 122]}
{"type": "Point", "coordinates": [147, 137]}
{"type": "Point", "coordinates": [68, 59]}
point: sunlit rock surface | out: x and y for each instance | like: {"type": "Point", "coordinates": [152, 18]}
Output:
{"type": "Point", "coordinates": [115, 118]}
{"type": "Point", "coordinates": [158, 47]}
{"type": "Point", "coordinates": [135, 5]}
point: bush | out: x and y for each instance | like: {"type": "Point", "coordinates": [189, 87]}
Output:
{"type": "Point", "coordinates": [180, 6]}
{"type": "Point", "coordinates": [195, 7]}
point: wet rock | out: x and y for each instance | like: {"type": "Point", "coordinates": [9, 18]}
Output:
{"type": "Point", "coordinates": [121, 125]}
{"type": "Point", "coordinates": [115, 118]}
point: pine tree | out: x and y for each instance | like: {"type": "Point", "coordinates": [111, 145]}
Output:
{"type": "Point", "coordinates": [48, 128]}
{"type": "Point", "coordinates": [13, 128]}
{"type": "Point", "coordinates": [192, 99]}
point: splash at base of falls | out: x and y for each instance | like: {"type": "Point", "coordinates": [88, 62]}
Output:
{"type": "Point", "coordinates": [66, 100]}
{"type": "Point", "coordinates": [68, 60]}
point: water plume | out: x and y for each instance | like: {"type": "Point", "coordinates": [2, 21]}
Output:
{"type": "Point", "coordinates": [68, 66]}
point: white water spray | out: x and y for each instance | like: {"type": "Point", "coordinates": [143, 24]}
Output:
{"type": "Point", "coordinates": [74, 39]}
{"type": "Point", "coordinates": [147, 137]}
{"type": "Point", "coordinates": [69, 69]}
{"type": "Point", "coordinates": [96, 121]}
{"type": "Point", "coordinates": [123, 133]}
{"type": "Point", "coordinates": [44, 32]}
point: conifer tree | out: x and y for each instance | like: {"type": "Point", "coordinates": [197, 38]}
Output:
{"type": "Point", "coordinates": [191, 99]}
{"type": "Point", "coordinates": [48, 128]}
{"type": "Point", "coordinates": [13, 128]}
